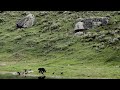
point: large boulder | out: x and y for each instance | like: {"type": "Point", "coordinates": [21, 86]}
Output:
{"type": "Point", "coordinates": [27, 21]}
{"type": "Point", "coordinates": [93, 22]}
{"type": "Point", "coordinates": [89, 23]}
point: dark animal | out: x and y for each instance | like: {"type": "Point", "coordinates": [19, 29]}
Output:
{"type": "Point", "coordinates": [53, 73]}
{"type": "Point", "coordinates": [21, 74]}
{"type": "Point", "coordinates": [61, 72]}
{"type": "Point", "coordinates": [25, 71]}
{"type": "Point", "coordinates": [18, 73]}
{"type": "Point", "coordinates": [41, 70]}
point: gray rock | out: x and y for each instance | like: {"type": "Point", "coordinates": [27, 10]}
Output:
{"type": "Point", "coordinates": [79, 26]}
{"type": "Point", "coordinates": [89, 23]}
{"type": "Point", "coordinates": [79, 33]}
{"type": "Point", "coordinates": [27, 21]}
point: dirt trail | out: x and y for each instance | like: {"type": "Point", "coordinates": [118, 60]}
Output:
{"type": "Point", "coordinates": [6, 72]}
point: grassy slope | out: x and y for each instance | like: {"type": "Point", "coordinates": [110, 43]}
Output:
{"type": "Point", "coordinates": [49, 44]}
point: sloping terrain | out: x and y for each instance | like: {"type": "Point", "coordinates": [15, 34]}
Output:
{"type": "Point", "coordinates": [51, 44]}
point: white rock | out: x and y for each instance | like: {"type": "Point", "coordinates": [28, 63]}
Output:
{"type": "Point", "coordinates": [79, 25]}
{"type": "Point", "coordinates": [79, 33]}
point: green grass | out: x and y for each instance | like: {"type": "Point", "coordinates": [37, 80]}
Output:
{"type": "Point", "coordinates": [50, 44]}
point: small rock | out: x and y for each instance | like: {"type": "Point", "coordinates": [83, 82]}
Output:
{"type": "Point", "coordinates": [79, 33]}
{"type": "Point", "coordinates": [79, 26]}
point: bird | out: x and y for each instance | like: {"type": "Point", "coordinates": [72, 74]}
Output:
{"type": "Point", "coordinates": [18, 73]}
{"type": "Point", "coordinates": [61, 72]}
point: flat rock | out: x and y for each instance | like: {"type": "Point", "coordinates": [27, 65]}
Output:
{"type": "Point", "coordinates": [89, 23]}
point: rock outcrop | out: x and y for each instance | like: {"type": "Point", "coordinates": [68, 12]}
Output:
{"type": "Point", "coordinates": [89, 23]}
{"type": "Point", "coordinates": [79, 26]}
{"type": "Point", "coordinates": [27, 21]}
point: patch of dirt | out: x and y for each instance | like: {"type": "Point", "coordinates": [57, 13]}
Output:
{"type": "Point", "coordinates": [5, 72]}
{"type": "Point", "coordinates": [2, 64]}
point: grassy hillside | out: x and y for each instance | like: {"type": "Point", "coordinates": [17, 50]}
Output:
{"type": "Point", "coordinates": [51, 44]}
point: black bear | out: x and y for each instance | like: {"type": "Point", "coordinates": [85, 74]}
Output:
{"type": "Point", "coordinates": [41, 70]}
